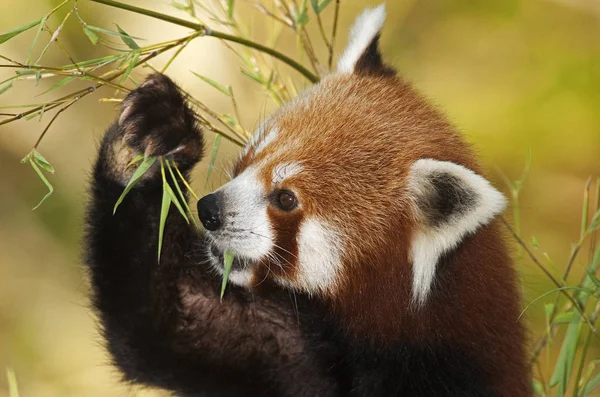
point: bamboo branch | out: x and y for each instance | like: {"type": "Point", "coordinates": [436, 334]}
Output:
{"type": "Point", "coordinates": [205, 31]}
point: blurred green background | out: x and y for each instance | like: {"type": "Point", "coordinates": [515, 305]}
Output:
{"type": "Point", "coordinates": [516, 76]}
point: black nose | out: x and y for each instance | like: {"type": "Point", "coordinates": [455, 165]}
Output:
{"type": "Point", "coordinates": [209, 212]}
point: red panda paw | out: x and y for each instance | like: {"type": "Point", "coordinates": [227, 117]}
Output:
{"type": "Point", "coordinates": [156, 120]}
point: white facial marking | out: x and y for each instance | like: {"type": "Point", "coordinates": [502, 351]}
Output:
{"type": "Point", "coordinates": [246, 229]}
{"type": "Point", "coordinates": [319, 257]}
{"type": "Point", "coordinates": [266, 140]}
{"type": "Point", "coordinates": [367, 26]}
{"type": "Point", "coordinates": [430, 242]}
{"type": "Point", "coordinates": [283, 171]}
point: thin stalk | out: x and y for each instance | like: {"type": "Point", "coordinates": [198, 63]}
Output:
{"type": "Point", "coordinates": [336, 15]}
{"type": "Point", "coordinates": [205, 31]}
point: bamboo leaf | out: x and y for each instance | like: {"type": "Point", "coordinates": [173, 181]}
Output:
{"type": "Point", "coordinates": [42, 162]}
{"type": "Point", "coordinates": [179, 191]}
{"type": "Point", "coordinates": [132, 64]}
{"type": "Point", "coordinates": [230, 9]}
{"type": "Point", "coordinates": [591, 385]}
{"type": "Point", "coordinates": [187, 185]}
{"type": "Point", "coordinates": [227, 263]}
{"type": "Point", "coordinates": [43, 178]}
{"type": "Point", "coordinates": [139, 172]}
{"type": "Point", "coordinates": [135, 160]}
{"type": "Point", "coordinates": [301, 18]}
{"type": "Point", "coordinates": [91, 35]}
{"type": "Point", "coordinates": [213, 157]}
{"type": "Point", "coordinates": [318, 7]}
{"type": "Point", "coordinates": [6, 87]}
{"type": "Point", "coordinates": [10, 34]}
{"type": "Point", "coordinates": [175, 201]}
{"type": "Point", "coordinates": [37, 36]}
{"type": "Point", "coordinates": [127, 39]}
{"type": "Point", "coordinates": [164, 211]}
{"type": "Point", "coordinates": [110, 32]}
{"type": "Point", "coordinates": [224, 89]}
{"type": "Point", "coordinates": [58, 84]}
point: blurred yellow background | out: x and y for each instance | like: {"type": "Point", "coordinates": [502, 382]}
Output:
{"type": "Point", "coordinates": [516, 76]}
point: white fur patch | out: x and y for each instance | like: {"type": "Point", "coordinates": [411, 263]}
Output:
{"type": "Point", "coordinates": [319, 257]}
{"type": "Point", "coordinates": [283, 171]}
{"type": "Point", "coordinates": [430, 242]}
{"type": "Point", "coordinates": [367, 26]}
{"type": "Point", "coordinates": [246, 229]}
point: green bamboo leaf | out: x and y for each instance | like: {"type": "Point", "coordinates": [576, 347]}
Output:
{"type": "Point", "coordinates": [175, 201]}
{"type": "Point", "coordinates": [135, 160]}
{"type": "Point", "coordinates": [13, 389]}
{"type": "Point", "coordinates": [301, 18]}
{"type": "Point", "coordinates": [58, 84]}
{"type": "Point", "coordinates": [9, 35]}
{"type": "Point", "coordinates": [564, 318]}
{"type": "Point", "coordinates": [224, 89]}
{"type": "Point", "coordinates": [591, 385]}
{"type": "Point", "coordinates": [537, 387]}
{"type": "Point", "coordinates": [180, 192]}
{"type": "Point", "coordinates": [127, 39]}
{"type": "Point", "coordinates": [37, 36]}
{"type": "Point", "coordinates": [42, 162]}
{"type": "Point", "coordinates": [139, 172]}
{"type": "Point", "coordinates": [38, 76]}
{"type": "Point", "coordinates": [230, 9]}
{"type": "Point", "coordinates": [91, 35]}
{"type": "Point", "coordinates": [187, 185]}
{"type": "Point", "coordinates": [132, 65]}
{"type": "Point", "coordinates": [111, 32]}
{"type": "Point", "coordinates": [318, 7]}
{"type": "Point", "coordinates": [6, 87]}
{"type": "Point", "coordinates": [213, 157]}
{"type": "Point", "coordinates": [164, 211]}
{"type": "Point", "coordinates": [227, 263]}
{"type": "Point", "coordinates": [43, 178]}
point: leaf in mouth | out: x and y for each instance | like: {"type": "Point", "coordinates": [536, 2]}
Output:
{"type": "Point", "coordinates": [227, 263]}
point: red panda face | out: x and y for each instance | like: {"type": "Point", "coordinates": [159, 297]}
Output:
{"type": "Point", "coordinates": [358, 174]}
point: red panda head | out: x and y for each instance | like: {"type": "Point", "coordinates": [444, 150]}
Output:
{"type": "Point", "coordinates": [357, 179]}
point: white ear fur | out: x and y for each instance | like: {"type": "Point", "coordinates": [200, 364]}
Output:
{"type": "Point", "coordinates": [365, 28]}
{"type": "Point", "coordinates": [471, 202]}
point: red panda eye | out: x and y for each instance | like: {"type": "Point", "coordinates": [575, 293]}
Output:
{"type": "Point", "coordinates": [286, 200]}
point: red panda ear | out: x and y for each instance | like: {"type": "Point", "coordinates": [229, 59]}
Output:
{"type": "Point", "coordinates": [362, 55]}
{"type": "Point", "coordinates": [450, 202]}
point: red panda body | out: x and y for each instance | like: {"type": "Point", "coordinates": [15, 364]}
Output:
{"type": "Point", "coordinates": [367, 258]}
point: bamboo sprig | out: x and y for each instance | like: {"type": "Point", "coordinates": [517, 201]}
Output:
{"type": "Point", "coordinates": [206, 31]}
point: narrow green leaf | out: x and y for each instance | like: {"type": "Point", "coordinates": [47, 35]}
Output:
{"type": "Point", "coordinates": [591, 385]}
{"type": "Point", "coordinates": [38, 76]}
{"type": "Point", "coordinates": [164, 211]}
{"type": "Point", "coordinates": [564, 318]}
{"type": "Point", "coordinates": [91, 35]}
{"type": "Point", "coordinates": [537, 387]}
{"type": "Point", "coordinates": [127, 39]}
{"type": "Point", "coordinates": [187, 185]}
{"type": "Point", "coordinates": [179, 191]}
{"type": "Point", "coordinates": [135, 160]}
{"type": "Point", "coordinates": [227, 263]}
{"type": "Point", "coordinates": [43, 178]}
{"type": "Point", "coordinates": [132, 64]}
{"type": "Point", "coordinates": [322, 6]}
{"type": "Point", "coordinates": [42, 162]}
{"type": "Point", "coordinates": [6, 87]}
{"type": "Point", "coordinates": [302, 16]}
{"type": "Point", "coordinates": [213, 157]}
{"type": "Point", "coordinates": [224, 89]}
{"type": "Point", "coordinates": [9, 35]}
{"type": "Point", "coordinates": [230, 9]}
{"type": "Point", "coordinates": [37, 36]}
{"type": "Point", "coordinates": [111, 32]}
{"type": "Point", "coordinates": [13, 389]}
{"type": "Point", "coordinates": [58, 84]}
{"type": "Point", "coordinates": [175, 201]}
{"type": "Point", "coordinates": [139, 172]}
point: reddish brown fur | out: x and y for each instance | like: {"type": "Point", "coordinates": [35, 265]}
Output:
{"type": "Point", "coordinates": [356, 137]}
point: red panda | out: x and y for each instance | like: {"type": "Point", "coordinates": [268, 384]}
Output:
{"type": "Point", "coordinates": [360, 200]}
